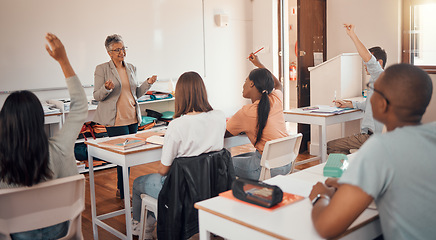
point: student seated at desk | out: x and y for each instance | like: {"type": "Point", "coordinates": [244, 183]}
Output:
{"type": "Point", "coordinates": [196, 129]}
{"type": "Point", "coordinates": [262, 120]}
{"type": "Point", "coordinates": [396, 169]}
{"type": "Point", "coordinates": [27, 156]}
{"type": "Point", "coordinates": [375, 61]}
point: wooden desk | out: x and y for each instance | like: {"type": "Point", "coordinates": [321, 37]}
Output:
{"type": "Point", "coordinates": [128, 158]}
{"type": "Point", "coordinates": [297, 115]}
{"type": "Point", "coordinates": [234, 220]}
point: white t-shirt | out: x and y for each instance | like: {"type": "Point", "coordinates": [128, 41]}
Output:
{"type": "Point", "coordinates": [192, 135]}
{"type": "Point", "coordinates": [398, 169]}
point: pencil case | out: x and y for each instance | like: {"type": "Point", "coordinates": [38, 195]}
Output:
{"type": "Point", "coordinates": [258, 193]}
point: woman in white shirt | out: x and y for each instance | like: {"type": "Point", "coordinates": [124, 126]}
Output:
{"type": "Point", "coordinates": [196, 129]}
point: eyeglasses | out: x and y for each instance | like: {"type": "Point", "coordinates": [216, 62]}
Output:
{"type": "Point", "coordinates": [377, 91]}
{"type": "Point", "coordinates": [119, 50]}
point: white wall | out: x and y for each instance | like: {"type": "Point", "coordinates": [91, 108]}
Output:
{"type": "Point", "coordinates": [226, 50]}
{"type": "Point", "coordinates": [377, 23]}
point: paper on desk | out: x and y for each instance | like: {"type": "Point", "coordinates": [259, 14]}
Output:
{"type": "Point", "coordinates": [291, 185]}
{"type": "Point", "coordinates": [328, 109]}
{"type": "Point", "coordinates": [156, 139]}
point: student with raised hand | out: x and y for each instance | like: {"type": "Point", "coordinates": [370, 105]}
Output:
{"type": "Point", "coordinates": [395, 169]}
{"type": "Point", "coordinates": [27, 155]}
{"type": "Point", "coordinates": [197, 128]}
{"type": "Point", "coordinates": [375, 61]}
{"type": "Point", "coordinates": [116, 89]}
{"type": "Point", "coordinates": [262, 120]}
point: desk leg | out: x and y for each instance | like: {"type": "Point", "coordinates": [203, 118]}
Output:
{"type": "Point", "coordinates": [127, 208]}
{"type": "Point", "coordinates": [204, 234]}
{"type": "Point", "coordinates": [92, 190]}
{"type": "Point", "coordinates": [323, 142]}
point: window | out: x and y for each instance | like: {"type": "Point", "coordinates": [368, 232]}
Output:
{"type": "Point", "coordinates": [419, 34]}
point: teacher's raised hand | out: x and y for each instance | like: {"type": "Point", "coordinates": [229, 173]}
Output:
{"type": "Point", "coordinates": [152, 79]}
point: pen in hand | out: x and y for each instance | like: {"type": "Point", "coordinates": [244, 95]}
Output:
{"type": "Point", "coordinates": [255, 52]}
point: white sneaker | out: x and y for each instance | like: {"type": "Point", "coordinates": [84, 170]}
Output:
{"type": "Point", "coordinates": [136, 228]}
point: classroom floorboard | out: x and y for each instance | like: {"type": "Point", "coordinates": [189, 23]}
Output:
{"type": "Point", "coordinates": [105, 182]}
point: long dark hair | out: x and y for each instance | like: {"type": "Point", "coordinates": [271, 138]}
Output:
{"type": "Point", "coordinates": [264, 82]}
{"type": "Point", "coordinates": [190, 95]}
{"type": "Point", "coordinates": [24, 154]}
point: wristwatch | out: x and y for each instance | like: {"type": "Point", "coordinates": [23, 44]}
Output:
{"type": "Point", "coordinates": [319, 196]}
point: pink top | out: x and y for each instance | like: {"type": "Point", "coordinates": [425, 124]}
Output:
{"type": "Point", "coordinates": [126, 111]}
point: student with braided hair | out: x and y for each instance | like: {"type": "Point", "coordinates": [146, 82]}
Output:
{"type": "Point", "coordinates": [261, 121]}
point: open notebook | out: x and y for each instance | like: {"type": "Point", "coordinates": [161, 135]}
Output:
{"type": "Point", "coordinates": [155, 137]}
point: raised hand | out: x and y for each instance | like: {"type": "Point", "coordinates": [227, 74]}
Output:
{"type": "Point", "coordinates": [349, 28]}
{"type": "Point", "coordinates": [57, 51]}
{"type": "Point", "coordinates": [255, 60]}
{"type": "Point", "coordinates": [152, 79]}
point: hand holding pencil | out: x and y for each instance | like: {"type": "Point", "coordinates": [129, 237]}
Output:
{"type": "Point", "coordinates": [255, 60]}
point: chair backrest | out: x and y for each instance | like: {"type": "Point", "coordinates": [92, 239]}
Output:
{"type": "Point", "coordinates": [278, 153]}
{"type": "Point", "coordinates": [42, 205]}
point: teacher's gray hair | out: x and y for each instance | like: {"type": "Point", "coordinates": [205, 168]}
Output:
{"type": "Point", "coordinates": [111, 39]}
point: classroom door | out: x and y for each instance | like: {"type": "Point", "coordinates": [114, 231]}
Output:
{"type": "Point", "coordinates": [311, 38]}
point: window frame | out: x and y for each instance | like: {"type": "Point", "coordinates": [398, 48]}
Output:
{"type": "Point", "coordinates": [406, 56]}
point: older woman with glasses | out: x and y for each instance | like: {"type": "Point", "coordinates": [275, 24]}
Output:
{"type": "Point", "coordinates": [116, 89]}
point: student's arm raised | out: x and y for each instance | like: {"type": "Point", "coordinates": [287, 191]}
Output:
{"type": "Point", "coordinates": [256, 62]}
{"type": "Point", "coordinates": [361, 49]}
{"type": "Point", "coordinates": [58, 53]}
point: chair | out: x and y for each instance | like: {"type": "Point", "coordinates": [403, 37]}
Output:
{"type": "Point", "coordinates": [278, 153]}
{"type": "Point", "coordinates": [209, 174]}
{"type": "Point", "coordinates": [148, 204]}
{"type": "Point", "coordinates": [42, 205]}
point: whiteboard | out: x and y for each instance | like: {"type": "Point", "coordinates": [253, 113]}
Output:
{"type": "Point", "coordinates": [164, 37]}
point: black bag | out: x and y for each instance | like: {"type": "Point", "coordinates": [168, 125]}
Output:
{"type": "Point", "coordinates": [81, 151]}
{"type": "Point", "coordinates": [152, 113]}
{"type": "Point", "coordinates": [258, 193]}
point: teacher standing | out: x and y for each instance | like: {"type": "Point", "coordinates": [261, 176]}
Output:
{"type": "Point", "coordinates": [116, 89]}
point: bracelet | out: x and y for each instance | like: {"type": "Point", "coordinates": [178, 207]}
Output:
{"type": "Point", "coordinates": [318, 197]}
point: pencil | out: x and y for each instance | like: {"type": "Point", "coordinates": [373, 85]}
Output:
{"type": "Point", "coordinates": [256, 52]}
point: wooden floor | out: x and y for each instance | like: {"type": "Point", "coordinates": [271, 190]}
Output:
{"type": "Point", "coordinates": [105, 188]}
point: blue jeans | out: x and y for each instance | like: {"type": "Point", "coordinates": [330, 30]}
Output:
{"type": "Point", "coordinates": [118, 131]}
{"type": "Point", "coordinates": [247, 165]}
{"type": "Point", "coordinates": [150, 184]}
{"type": "Point", "coordinates": [48, 233]}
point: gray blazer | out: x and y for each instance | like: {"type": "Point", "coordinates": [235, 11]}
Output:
{"type": "Point", "coordinates": [107, 101]}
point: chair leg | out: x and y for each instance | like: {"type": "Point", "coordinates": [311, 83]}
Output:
{"type": "Point", "coordinates": [143, 221]}
{"type": "Point", "coordinates": [147, 204]}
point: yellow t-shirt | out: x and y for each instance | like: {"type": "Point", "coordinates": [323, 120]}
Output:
{"type": "Point", "coordinates": [126, 105]}
{"type": "Point", "coordinates": [245, 120]}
